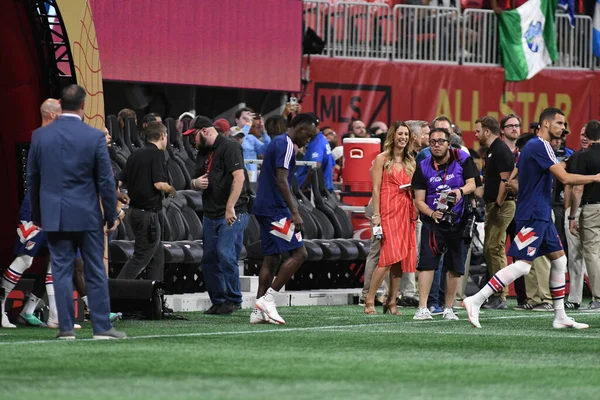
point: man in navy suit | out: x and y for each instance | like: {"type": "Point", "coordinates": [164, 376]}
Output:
{"type": "Point", "coordinates": [68, 169]}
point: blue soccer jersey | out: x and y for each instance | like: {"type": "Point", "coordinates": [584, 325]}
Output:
{"type": "Point", "coordinates": [279, 154]}
{"type": "Point", "coordinates": [535, 181]}
{"type": "Point", "coordinates": [318, 150]}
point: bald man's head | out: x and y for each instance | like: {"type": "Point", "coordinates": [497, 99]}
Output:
{"type": "Point", "coordinates": [50, 111]}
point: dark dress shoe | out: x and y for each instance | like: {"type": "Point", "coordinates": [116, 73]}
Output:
{"type": "Point", "coordinates": [234, 306]}
{"type": "Point", "coordinates": [225, 309]}
{"type": "Point", "coordinates": [213, 309]}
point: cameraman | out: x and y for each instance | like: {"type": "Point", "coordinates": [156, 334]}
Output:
{"type": "Point", "coordinates": [440, 183]}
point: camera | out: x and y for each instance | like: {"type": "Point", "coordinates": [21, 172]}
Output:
{"type": "Point", "coordinates": [445, 204]}
{"type": "Point", "coordinates": [377, 232]}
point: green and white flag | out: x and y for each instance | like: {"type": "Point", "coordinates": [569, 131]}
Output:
{"type": "Point", "coordinates": [528, 39]}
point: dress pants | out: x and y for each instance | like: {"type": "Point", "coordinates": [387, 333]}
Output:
{"type": "Point", "coordinates": [497, 220]}
{"type": "Point", "coordinates": [577, 269]}
{"type": "Point", "coordinates": [63, 248]}
{"type": "Point", "coordinates": [148, 252]}
{"type": "Point", "coordinates": [590, 241]}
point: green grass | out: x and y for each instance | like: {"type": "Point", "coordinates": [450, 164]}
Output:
{"type": "Point", "coordinates": [321, 353]}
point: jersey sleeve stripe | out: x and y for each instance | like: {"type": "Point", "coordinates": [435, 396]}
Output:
{"type": "Point", "coordinates": [288, 154]}
{"type": "Point", "coordinates": [550, 152]}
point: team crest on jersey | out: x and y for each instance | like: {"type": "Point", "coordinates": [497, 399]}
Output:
{"type": "Point", "coordinates": [284, 229]}
{"type": "Point", "coordinates": [525, 237]}
{"type": "Point", "coordinates": [531, 251]}
{"type": "Point", "coordinates": [30, 245]}
{"type": "Point", "coordinates": [299, 236]}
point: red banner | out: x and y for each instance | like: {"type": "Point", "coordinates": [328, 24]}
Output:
{"type": "Point", "coordinates": [228, 43]}
{"type": "Point", "coordinates": [344, 90]}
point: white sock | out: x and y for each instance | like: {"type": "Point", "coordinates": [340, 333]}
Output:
{"type": "Point", "coordinates": [503, 278]}
{"type": "Point", "coordinates": [85, 301]}
{"type": "Point", "coordinates": [32, 302]}
{"type": "Point", "coordinates": [271, 294]}
{"type": "Point", "coordinates": [558, 268]}
{"type": "Point", "coordinates": [53, 313]}
{"type": "Point", "coordinates": [13, 273]}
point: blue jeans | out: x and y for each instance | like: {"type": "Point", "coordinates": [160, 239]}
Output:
{"type": "Point", "coordinates": [437, 294]}
{"type": "Point", "coordinates": [434, 292]}
{"type": "Point", "coordinates": [222, 247]}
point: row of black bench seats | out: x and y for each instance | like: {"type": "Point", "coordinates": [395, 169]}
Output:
{"type": "Point", "coordinates": [328, 230]}
{"type": "Point", "coordinates": [335, 259]}
{"type": "Point", "coordinates": [180, 155]}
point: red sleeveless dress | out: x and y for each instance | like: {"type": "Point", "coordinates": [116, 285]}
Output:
{"type": "Point", "coordinates": [398, 221]}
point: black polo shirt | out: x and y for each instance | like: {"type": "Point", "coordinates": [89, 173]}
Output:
{"type": "Point", "coordinates": [498, 159]}
{"type": "Point", "coordinates": [588, 163]}
{"type": "Point", "coordinates": [558, 189]}
{"type": "Point", "coordinates": [225, 157]}
{"type": "Point", "coordinates": [143, 169]}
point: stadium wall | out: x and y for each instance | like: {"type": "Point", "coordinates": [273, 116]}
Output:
{"type": "Point", "coordinates": [342, 90]}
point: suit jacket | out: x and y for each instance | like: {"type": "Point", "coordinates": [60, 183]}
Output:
{"type": "Point", "coordinates": [68, 168]}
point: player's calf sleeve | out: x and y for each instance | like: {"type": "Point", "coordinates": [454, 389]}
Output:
{"type": "Point", "coordinates": [13, 273]}
{"type": "Point", "coordinates": [53, 314]}
{"type": "Point", "coordinates": [49, 282]}
{"type": "Point", "coordinates": [558, 268]}
{"type": "Point", "coordinates": [503, 278]}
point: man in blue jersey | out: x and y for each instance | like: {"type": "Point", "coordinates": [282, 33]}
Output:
{"type": "Point", "coordinates": [277, 214]}
{"type": "Point", "coordinates": [536, 234]}
{"type": "Point", "coordinates": [319, 151]}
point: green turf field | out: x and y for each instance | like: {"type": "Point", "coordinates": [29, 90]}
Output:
{"type": "Point", "coordinates": [321, 353]}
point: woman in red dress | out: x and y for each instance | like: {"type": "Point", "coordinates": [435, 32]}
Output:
{"type": "Point", "coordinates": [395, 212]}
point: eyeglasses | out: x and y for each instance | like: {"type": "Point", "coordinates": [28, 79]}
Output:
{"type": "Point", "coordinates": [510, 126]}
{"type": "Point", "coordinates": [438, 142]}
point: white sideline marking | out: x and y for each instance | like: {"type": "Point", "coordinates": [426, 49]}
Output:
{"type": "Point", "coordinates": [341, 328]}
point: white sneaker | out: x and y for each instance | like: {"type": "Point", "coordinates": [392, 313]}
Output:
{"type": "Point", "coordinates": [449, 315]}
{"type": "Point", "coordinates": [53, 324]}
{"type": "Point", "coordinates": [268, 309]}
{"type": "Point", "coordinates": [422, 314]}
{"type": "Point", "coordinates": [568, 323]}
{"type": "Point", "coordinates": [5, 322]}
{"type": "Point", "coordinates": [472, 311]}
{"type": "Point", "coordinates": [258, 317]}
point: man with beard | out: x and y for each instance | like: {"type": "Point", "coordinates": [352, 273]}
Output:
{"type": "Point", "coordinates": [279, 219]}
{"type": "Point", "coordinates": [220, 174]}
{"type": "Point", "coordinates": [145, 176]}
{"type": "Point", "coordinates": [537, 235]}
{"type": "Point", "coordinates": [446, 174]}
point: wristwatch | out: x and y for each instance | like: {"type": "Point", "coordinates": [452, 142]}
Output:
{"type": "Point", "coordinates": [571, 218]}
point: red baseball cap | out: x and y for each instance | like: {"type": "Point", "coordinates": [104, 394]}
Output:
{"type": "Point", "coordinates": [199, 122]}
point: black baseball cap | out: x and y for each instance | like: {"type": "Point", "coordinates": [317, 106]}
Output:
{"type": "Point", "coordinates": [199, 122]}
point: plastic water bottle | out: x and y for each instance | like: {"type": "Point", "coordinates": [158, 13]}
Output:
{"type": "Point", "coordinates": [124, 206]}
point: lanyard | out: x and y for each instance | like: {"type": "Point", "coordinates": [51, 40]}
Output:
{"type": "Point", "coordinates": [209, 162]}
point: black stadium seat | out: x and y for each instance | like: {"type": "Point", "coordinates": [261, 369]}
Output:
{"type": "Point", "coordinates": [118, 153]}
{"type": "Point", "coordinates": [127, 135]}
{"type": "Point", "coordinates": [188, 141]}
{"type": "Point", "coordinates": [133, 134]}
{"type": "Point", "coordinates": [177, 148]}
{"type": "Point", "coordinates": [180, 177]}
